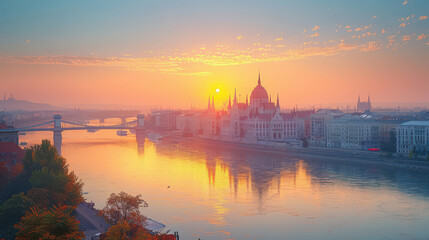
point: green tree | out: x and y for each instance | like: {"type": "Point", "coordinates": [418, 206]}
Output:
{"type": "Point", "coordinates": [4, 174]}
{"type": "Point", "coordinates": [44, 155]}
{"type": "Point", "coordinates": [10, 213]}
{"type": "Point", "coordinates": [47, 181]}
{"type": "Point", "coordinates": [40, 196]}
{"type": "Point", "coordinates": [50, 171]}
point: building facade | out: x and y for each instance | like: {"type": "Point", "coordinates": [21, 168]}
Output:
{"type": "Point", "coordinates": [319, 125]}
{"type": "Point", "coordinates": [413, 136]}
{"type": "Point", "coordinates": [354, 132]}
{"type": "Point", "coordinates": [8, 133]}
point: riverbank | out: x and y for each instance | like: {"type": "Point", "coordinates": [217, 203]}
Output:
{"type": "Point", "coordinates": [313, 152]}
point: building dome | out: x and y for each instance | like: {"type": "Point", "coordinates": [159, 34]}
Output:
{"type": "Point", "coordinates": [259, 93]}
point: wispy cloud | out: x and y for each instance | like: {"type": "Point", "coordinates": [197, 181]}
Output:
{"type": "Point", "coordinates": [370, 46]}
{"type": "Point", "coordinates": [423, 17]}
{"type": "Point", "coordinates": [314, 35]}
{"type": "Point", "coordinates": [421, 36]}
{"type": "Point", "coordinates": [405, 2]}
{"type": "Point", "coordinates": [406, 38]}
{"type": "Point", "coordinates": [253, 50]}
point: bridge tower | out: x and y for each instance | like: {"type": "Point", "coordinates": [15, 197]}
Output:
{"type": "Point", "coordinates": [140, 121]}
{"type": "Point", "coordinates": [140, 135]}
{"type": "Point", "coordinates": [58, 137]}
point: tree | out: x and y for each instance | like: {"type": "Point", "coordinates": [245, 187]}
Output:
{"type": "Point", "coordinates": [10, 213]}
{"type": "Point", "coordinates": [44, 155]}
{"type": "Point", "coordinates": [57, 223]}
{"type": "Point", "coordinates": [60, 224]}
{"type": "Point", "coordinates": [119, 231]}
{"type": "Point", "coordinates": [124, 206]}
{"type": "Point", "coordinates": [4, 174]}
{"type": "Point", "coordinates": [124, 230]}
{"type": "Point", "coordinates": [50, 171]}
{"type": "Point", "coordinates": [40, 197]}
{"type": "Point", "coordinates": [31, 225]}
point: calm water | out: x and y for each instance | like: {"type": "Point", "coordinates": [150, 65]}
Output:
{"type": "Point", "coordinates": [220, 193]}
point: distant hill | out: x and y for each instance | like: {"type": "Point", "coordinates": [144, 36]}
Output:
{"type": "Point", "coordinates": [13, 104]}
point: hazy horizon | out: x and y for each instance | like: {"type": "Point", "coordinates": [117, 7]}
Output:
{"type": "Point", "coordinates": [177, 53]}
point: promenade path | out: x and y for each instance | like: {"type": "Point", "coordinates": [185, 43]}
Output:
{"type": "Point", "coordinates": [90, 222]}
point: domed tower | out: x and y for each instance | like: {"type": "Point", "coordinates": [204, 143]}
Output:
{"type": "Point", "coordinates": [259, 96]}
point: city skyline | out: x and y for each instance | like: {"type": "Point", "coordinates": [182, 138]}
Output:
{"type": "Point", "coordinates": [176, 54]}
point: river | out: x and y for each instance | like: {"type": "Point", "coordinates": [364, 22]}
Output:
{"type": "Point", "coordinates": [210, 192]}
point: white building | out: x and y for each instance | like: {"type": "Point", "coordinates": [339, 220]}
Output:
{"type": "Point", "coordinates": [354, 132]}
{"type": "Point", "coordinates": [189, 124]}
{"type": "Point", "coordinates": [413, 136]}
{"type": "Point", "coordinates": [319, 125]}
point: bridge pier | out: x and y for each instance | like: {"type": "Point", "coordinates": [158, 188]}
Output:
{"type": "Point", "coordinates": [58, 136]}
{"type": "Point", "coordinates": [140, 122]}
{"type": "Point", "coordinates": [58, 141]}
{"type": "Point", "coordinates": [140, 134]}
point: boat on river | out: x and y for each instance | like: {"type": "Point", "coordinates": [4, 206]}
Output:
{"type": "Point", "coordinates": [122, 133]}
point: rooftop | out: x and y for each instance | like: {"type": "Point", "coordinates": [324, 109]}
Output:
{"type": "Point", "coordinates": [416, 123]}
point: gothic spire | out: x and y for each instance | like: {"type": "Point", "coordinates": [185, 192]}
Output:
{"type": "Point", "coordinates": [259, 78]}
{"type": "Point", "coordinates": [209, 104]}
{"type": "Point", "coordinates": [278, 104]}
{"type": "Point", "coordinates": [229, 105]}
{"type": "Point", "coordinates": [235, 95]}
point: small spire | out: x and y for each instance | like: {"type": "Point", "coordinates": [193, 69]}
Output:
{"type": "Point", "coordinates": [369, 100]}
{"type": "Point", "coordinates": [270, 97]}
{"type": "Point", "coordinates": [229, 105]}
{"type": "Point", "coordinates": [213, 106]}
{"type": "Point", "coordinates": [278, 104]}
{"type": "Point", "coordinates": [359, 98]}
{"type": "Point", "coordinates": [235, 95]}
{"type": "Point", "coordinates": [247, 100]}
{"type": "Point", "coordinates": [209, 103]}
{"type": "Point", "coordinates": [259, 78]}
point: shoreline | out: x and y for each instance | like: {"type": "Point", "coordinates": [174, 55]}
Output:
{"type": "Point", "coordinates": [345, 155]}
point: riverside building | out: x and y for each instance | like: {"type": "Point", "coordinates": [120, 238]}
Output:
{"type": "Point", "coordinates": [413, 136]}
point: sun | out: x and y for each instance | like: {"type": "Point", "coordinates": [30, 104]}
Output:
{"type": "Point", "coordinates": [217, 90]}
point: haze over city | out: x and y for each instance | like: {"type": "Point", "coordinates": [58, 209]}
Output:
{"type": "Point", "coordinates": [214, 120]}
{"type": "Point", "coordinates": [176, 53]}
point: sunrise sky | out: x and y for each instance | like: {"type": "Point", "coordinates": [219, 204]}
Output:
{"type": "Point", "coordinates": [176, 53]}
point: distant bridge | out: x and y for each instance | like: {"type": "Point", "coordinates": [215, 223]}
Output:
{"type": "Point", "coordinates": [57, 125]}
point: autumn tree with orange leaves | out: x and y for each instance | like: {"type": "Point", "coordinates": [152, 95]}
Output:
{"type": "Point", "coordinates": [56, 223]}
{"type": "Point", "coordinates": [123, 206]}
{"type": "Point", "coordinates": [122, 211]}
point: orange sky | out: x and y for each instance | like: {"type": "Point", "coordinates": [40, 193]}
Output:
{"type": "Point", "coordinates": [329, 56]}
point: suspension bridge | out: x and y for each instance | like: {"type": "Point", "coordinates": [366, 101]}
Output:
{"type": "Point", "coordinates": [57, 126]}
